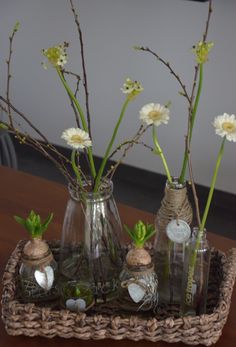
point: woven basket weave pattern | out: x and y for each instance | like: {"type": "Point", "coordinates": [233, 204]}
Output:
{"type": "Point", "coordinates": [32, 320]}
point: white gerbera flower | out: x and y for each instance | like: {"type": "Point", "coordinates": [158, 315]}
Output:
{"type": "Point", "coordinates": [154, 114]}
{"type": "Point", "coordinates": [225, 125]}
{"type": "Point", "coordinates": [76, 138]}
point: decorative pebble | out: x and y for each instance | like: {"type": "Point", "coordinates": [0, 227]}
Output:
{"type": "Point", "coordinates": [45, 278]}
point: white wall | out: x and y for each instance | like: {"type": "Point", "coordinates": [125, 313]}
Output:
{"type": "Point", "coordinates": [110, 30]}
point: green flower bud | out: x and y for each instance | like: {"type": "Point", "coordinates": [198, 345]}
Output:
{"type": "Point", "coordinates": [202, 50]}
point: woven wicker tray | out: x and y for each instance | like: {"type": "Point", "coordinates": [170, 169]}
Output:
{"type": "Point", "coordinates": [33, 320]}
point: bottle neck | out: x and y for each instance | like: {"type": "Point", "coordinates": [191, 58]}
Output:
{"type": "Point", "coordinates": [87, 195]}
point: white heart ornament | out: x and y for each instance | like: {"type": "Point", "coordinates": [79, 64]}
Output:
{"type": "Point", "coordinates": [80, 305]}
{"type": "Point", "coordinates": [45, 278]}
{"type": "Point", "coordinates": [136, 292]}
{"type": "Point", "coordinates": [71, 304]}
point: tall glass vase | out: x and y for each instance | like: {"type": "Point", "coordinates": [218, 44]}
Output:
{"type": "Point", "coordinates": [91, 251]}
{"type": "Point", "coordinates": [195, 275]}
{"type": "Point", "coordinates": [168, 251]}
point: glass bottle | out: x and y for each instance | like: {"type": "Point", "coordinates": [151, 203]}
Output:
{"type": "Point", "coordinates": [169, 255]}
{"type": "Point", "coordinates": [38, 272]}
{"type": "Point", "coordinates": [91, 252]}
{"type": "Point", "coordinates": [196, 274]}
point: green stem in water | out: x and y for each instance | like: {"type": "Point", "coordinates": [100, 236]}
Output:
{"type": "Point", "coordinates": [109, 147]}
{"type": "Point", "coordinates": [160, 152]}
{"type": "Point", "coordinates": [202, 226]}
{"type": "Point", "coordinates": [193, 116]}
{"type": "Point", "coordinates": [82, 117]}
{"type": "Point", "coordinates": [75, 168]}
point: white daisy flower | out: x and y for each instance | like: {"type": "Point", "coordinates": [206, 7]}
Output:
{"type": "Point", "coordinates": [225, 125]}
{"type": "Point", "coordinates": [154, 114]}
{"type": "Point", "coordinates": [76, 138]}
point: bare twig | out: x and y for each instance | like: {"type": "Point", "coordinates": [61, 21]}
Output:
{"type": "Point", "coordinates": [75, 93]}
{"type": "Point", "coordinates": [85, 83]}
{"type": "Point", "coordinates": [9, 104]}
{"type": "Point", "coordinates": [118, 148]}
{"type": "Point", "coordinates": [167, 64]}
{"type": "Point", "coordinates": [11, 37]}
{"type": "Point", "coordinates": [135, 139]}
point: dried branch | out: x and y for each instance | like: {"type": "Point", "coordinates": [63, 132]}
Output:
{"type": "Point", "coordinates": [118, 148]}
{"type": "Point", "coordinates": [167, 64]}
{"type": "Point", "coordinates": [75, 94]}
{"type": "Point", "coordinates": [11, 38]}
{"type": "Point", "coordinates": [135, 139]}
{"type": "Point", "coordinates": [85, 83]}
{"type": "Point", "coordinates": [9, 104]}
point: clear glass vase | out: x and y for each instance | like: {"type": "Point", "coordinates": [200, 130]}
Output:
{"type": "Point", "coordinates": [169, 254]}
{"type": "Point", "coordinates": [91, 248]}
{"type": "Point", "coordinates": [195, 275]}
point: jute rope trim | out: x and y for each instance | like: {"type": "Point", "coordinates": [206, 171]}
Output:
{"type": "Point", "coordinates": [175, 205]}
{"type": "Point", "coordinates": [43, 260]}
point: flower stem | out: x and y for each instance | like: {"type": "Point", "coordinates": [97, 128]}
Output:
{"type": "Point", "coordinates": [160, 152]}
{"type": "Point", "coordinates": [75, 168]}
{"type": "Point", "coordinates": [193, 258]}
{"type": "Point", "coordinates": [213, 182]}
{"type": "Point", "coordinates": [193, 117]}
{"type": "Point", "coordinates": [109, 147]}
{"type": "Point", "coordinates": [82, 117]}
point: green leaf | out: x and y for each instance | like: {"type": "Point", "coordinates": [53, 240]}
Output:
{"type": "Point", "coordinates": [3, 126]}
{"type": "Point", "coordinates": [16, 27]}
{"type": "Point", "coordinates": [29, 226]}
{"type": "Point", "coordinates": [47, 222]}
{"type": "Point", "coordinates": [150, 234]}
{"type": "Point", "coordinates": [20, 220]}
{"type": "Point", "coordinates": [129, 232]}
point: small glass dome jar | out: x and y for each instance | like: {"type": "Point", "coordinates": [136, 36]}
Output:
{"type": "Point", "coordinates": [38, 272]}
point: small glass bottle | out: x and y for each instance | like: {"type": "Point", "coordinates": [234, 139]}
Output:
{"type": "Point", "coordinates": [169, 255]}
{"type": "Point", "coordinates": [196, 274]}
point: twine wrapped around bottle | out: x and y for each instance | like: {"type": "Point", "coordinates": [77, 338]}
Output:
{"type": "Point", "coordinates": [174, 205]}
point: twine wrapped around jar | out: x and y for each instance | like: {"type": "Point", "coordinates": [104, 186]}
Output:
{"type": "Point", "coordinates": [175, 205]}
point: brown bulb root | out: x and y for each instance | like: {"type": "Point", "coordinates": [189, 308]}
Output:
{"type": "Point", "coordinates": [36, 248]}
{"type": "Point", "coordinates": [138, 257]}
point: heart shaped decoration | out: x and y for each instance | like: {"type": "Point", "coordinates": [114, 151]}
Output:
{"type": "Point", "coordinates": [77, 305]}
{"type": "Point", "coordinates": [80, 305]}
{"type": "Point", "coordinates": [136, 292]}
{"type": "Point", "coordinates": [45, 278]}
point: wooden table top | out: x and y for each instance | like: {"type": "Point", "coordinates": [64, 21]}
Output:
{"type": "Point", "coordinates": [20, 192]}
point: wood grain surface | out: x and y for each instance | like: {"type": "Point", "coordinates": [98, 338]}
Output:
{"type": "Point", "coordinates": [20, 192]}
